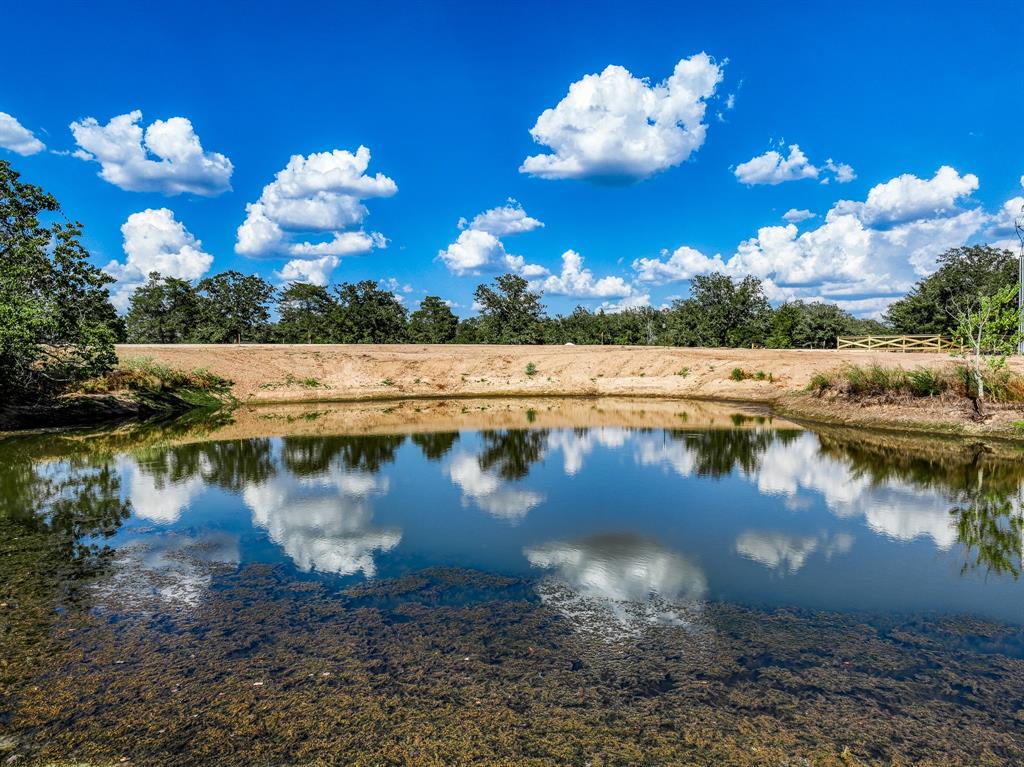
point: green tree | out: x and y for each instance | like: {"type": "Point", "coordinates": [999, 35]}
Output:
{"type": "Point", "coordinates": [785, 319]}
{"type": "Point", "coordinates": [468, 331]}
{"type": "Point", "coordinates": [368, 314]}
{"type": "Point", "coordinates": [57, 325]}
{"type": "Point", "coordinates": [235, 307]}
{"type": "Point", "coordinates": [433, 323]}
{"type": "Point", "coordinates": [820, 325]}
{"type": "Point", "coordinates": [988, 332]}
{"type": "Point", "coordinates": [963, 275]}
{"type": "Point", "coordinates": [509, 312]}
{"type": "Point", "coordinates": [580, 327]}
{"type": "Point", "coordinates": [162, 311]}
{"type": "Point", "coordinates": [304, 313]}
{"type": "Point", "coordinates": [721, 312]}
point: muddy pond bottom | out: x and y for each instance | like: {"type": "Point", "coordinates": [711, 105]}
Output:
{"type": "Point", "coordinates": [509, 583]}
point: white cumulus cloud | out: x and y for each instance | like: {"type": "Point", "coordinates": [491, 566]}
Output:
{"type": "Point", "coordinates": [508, 219]}
{"type": "Point", "coordinates": [908, 198]}
{"type": "Point", "coordinates": [126, 156]}
{"type": "Point", "coordinates": [681, 264]}
{"type": "Point", "coordinates": [1003, 229]}
{"type": "Point", "coordinates": [843, 173]}
{"type": "Point", "coordinates": [478, 248]}
{"type": "Point", "coordinates": [862, 252]}
{"type": "Point", "coordinates": [795, 216]}
{"type": "Point", "coordinates": [636, 301]}
{"type": "Point", "coordinates": [320, 195]}
{"type": "Point", "coordinates": [17, 138]}
{"type": "Point", "coordinates": [617, 125]}
{"type": "Point", "coordinates": [154, 241]}
{"type": "Point", "coordinates": [578, 281]}
{"type": "Point", "coordinates": [774, 168]}
{"type": "Point", "coordinates": [315, 271]}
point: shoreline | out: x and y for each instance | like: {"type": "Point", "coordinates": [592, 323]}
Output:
{"type": "Point", "coordinates": [280, 374]}
{"type": "Point", "coordinates": [299, 374]}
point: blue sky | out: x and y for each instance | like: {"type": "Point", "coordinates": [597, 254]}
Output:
{"type": "Point", "coordinates": [651, 182]}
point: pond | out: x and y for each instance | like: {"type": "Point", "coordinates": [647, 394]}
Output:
{"type": "Point", "coordinates": [527, 582]}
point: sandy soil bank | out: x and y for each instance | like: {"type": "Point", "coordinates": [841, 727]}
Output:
{"type": "Point", "coordinates": [310, 373]}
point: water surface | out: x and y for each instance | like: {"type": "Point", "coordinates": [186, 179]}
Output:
{"type": "Point", "coordinates": [510, 583]}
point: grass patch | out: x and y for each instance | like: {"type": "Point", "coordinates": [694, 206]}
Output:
{"type": "Point", "coordinates": [293, 380]}
{"type": "Point", "coordinates": [683, 372]}
{"type": "Point", "coordinates": [861, 381]}
{"type": "Point", "coordinates": [143, 374]}
{"type": "Point", "coordinates": [387, 382]}
{"type": "Point", "coordinates": [531, 369]}
{"type": "Point", "coordinates": [739, 374]}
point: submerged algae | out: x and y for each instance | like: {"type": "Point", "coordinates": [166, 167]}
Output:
{"type": "Point", "coordinates": [449, 667]}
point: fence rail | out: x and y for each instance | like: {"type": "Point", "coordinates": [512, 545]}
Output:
{"type": "Point", "coordinates": [901, 343]}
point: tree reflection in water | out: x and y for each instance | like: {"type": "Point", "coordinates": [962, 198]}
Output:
{"type": "Point", "coordinates": [311, 456]}
{"type": "Point", "coordinates": [990, 527]}
{"type": "Point", "coordinates": [718, 452]}
{"type": "Point", "coordinates": [61, 511]}
{"type": "Point", "coordinates": [511, 453]}
{"type": "Point", "coordinates": [988, 510]}
{"type": "Point", "coordinates": [54, 521]}
{"type": "Point", "coordinates": [435, 445]}
{"type": "Point", "coordinates": [229, 464]}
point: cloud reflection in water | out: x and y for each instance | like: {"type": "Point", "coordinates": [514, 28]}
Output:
{"type": "Point", "coordinates": [324, 522]}
{"type": "Point", "coordinates": [619, 584]}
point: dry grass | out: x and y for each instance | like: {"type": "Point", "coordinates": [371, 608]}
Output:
{"type": "Point", "coordinates": [865, 381]}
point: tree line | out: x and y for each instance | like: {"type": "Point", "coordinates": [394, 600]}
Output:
{"type": "Point", "coordinates": [58, 327]}
{"type": "Point", "coordinates": [232, 307]}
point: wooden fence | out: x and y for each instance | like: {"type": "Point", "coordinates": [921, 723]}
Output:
{"type": "Point", "coordinates": [899, 343]}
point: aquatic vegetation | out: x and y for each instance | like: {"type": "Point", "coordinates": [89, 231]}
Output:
{"type": "Point", "coordinates": [453, 667]}
{"type": "Point", "coordinates": [623, 596]}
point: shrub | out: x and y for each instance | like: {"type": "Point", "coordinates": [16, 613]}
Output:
{"type": "Point", "coordinates": [820, 382]}
{"type": "Point", "coordinates": [531, 369]}
{"type": "Point", "coordinates": [1001, 385]}
{"type": "Point", "coordinates": [926, 382]}
{"type": "Point", "coordinates": [877, 381]}
{"type": "Point", "coordinates": [143, 374]}
{"type": "Point", "coordinates": [739, 374]}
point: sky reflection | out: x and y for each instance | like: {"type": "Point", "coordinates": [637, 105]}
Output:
{"type": "Point", "coordinates": [613, 515]}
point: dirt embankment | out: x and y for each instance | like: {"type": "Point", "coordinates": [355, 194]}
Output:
{"type": "Point", "coordinates": [311, 373]}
